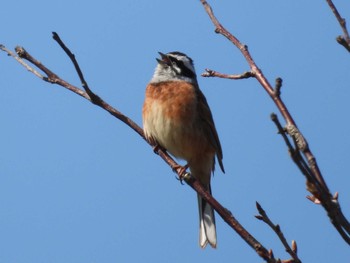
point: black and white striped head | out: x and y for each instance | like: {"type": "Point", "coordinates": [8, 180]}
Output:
{"type": "Point", "coordinates": [174, 66]}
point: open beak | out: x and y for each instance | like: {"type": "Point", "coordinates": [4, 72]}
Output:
{"type": "Point", "coordinates": [164, 59]}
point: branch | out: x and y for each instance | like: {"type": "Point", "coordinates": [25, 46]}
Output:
{"type": "Point", "coordinates": [227, 216]}
{"type": "Point", "coordinates": [94, 98]}
{"type": "Point", "coordinates": [212, 73]}
{"type": "Point", "coordinates": [293, 151]}
{"type": "Point", "coordinates": [30, 69]}
{"type": "Point", "coordinates": [302, 153]}
{"type": "Point", "coordinates": [345, 39]}
{"type": "Point", "coordinates": [292, 251]}
{"type": "Point", "coordinates": [51, 77]}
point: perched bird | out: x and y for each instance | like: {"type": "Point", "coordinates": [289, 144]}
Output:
{"type": "Point", "coordinates": [177, 117]}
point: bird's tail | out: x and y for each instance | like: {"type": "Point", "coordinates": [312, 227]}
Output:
{"type": "Point", "coordinates": [207, 228]}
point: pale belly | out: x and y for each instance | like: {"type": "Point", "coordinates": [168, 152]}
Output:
{"type": "Point", "coordinates": [171, 117]}
{"type": "Point", "coordinates": [180, 135]}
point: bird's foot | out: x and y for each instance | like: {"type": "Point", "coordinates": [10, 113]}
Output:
{"type": "Point", "coordinates": [180, 170]}
{"type": "Point", "coordinates": [157, 147]}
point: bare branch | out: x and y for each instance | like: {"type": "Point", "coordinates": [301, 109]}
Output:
{"type": "Point", "coordinates": [212, 73]}
{"type": "Point", "coordinates": [293, 151]}
{"type": "Point", "coordinates": [345, 39]}
{"type": "Point", "coordinates": [230, 220]}
{"type": "Point", "coordinates": [302, 153]}
{"type": "Point", "coordinates": [306, 161]}
{"type": "Point", "coordinates": [181, 171]}
{"type": "Point", "coordinates": [94, 98]}
{"type": "Point", "coordinates": [292, 251]}
{"type": "Point", "coordinates": [30, 69]}
{"type": "Point", "coordinates": [50, 76]}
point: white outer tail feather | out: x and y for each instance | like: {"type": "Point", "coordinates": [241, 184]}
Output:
{"type": "Point", "coordinates": [207, 229]}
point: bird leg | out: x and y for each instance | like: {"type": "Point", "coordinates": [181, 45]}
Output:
{"type": "Point", "coordinates": [180, 170]}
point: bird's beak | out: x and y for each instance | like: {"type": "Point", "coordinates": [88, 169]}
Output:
{"type": "Point", "coordinates": [164, 59]}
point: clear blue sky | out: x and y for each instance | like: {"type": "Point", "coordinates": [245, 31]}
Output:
{"type": "Point", "coordinates": [77, 185]}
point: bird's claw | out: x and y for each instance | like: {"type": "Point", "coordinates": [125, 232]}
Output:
{"type": "Point", "coordinates": [157, 147]}
{"type": "Point", "coordinates": [180, 170]}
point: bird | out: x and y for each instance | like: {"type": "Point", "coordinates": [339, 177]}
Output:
{"type": "Point", "coordinates": [177, 117]}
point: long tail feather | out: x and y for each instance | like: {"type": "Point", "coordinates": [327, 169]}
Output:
{"type": "Point", "coordinates": [207, 229]}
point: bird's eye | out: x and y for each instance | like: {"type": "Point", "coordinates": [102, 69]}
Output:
{"type": "Point", "coordinates": [173, 61]}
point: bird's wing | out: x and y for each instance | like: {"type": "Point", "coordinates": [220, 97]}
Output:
{"type": "Point", "coordinates": [209, 128]}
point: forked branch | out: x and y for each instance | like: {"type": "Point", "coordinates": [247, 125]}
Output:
{"type": "Point", "coordinates": [301, 153]}
{"type": "Point", "coordinates": [49, 76]}
{"type": "Point", "coordinates": [291, 250]}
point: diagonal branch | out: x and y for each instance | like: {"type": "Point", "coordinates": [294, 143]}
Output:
{"type": "Point", "coordinates": [53, 78]}
{"type": "Point", "coordinates": [345, 39]}
{"type": "Point", "coordinates": [292, 251]}
{"type": "Point", "coordinates": [94, 98]}
{"type": "Point", "coordinates": [293, 151]}
{"type": "Point", "coordinates": [315, 182]}
{"type": "Point", "coordinates": [19, 60]}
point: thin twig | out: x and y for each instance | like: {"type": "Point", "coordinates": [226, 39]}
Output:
{"type": "Point", "coordinates": [342, 40]}
{"type": "Point", "coordinates": [291, 250]}
{"type": "Point", "coordinates": [334, 211]}
{"type": "Point", "coordinates": [94, 98]}
{"type": "Point", "coordinates": [55, 79]}
{"type": "Point", "coordinates": [302, 155]}
{"type": "Point", "coordinates": [293, 151]}
{"type": "Point", "coordinates": [30, 69]}
{"type": "Point", "coordinates": [213, 73]}
{"type": "Point", "coordinates": [191, 181]}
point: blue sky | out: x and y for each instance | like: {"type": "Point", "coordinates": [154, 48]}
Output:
{"type": "Point", "coordinates": [77, 185]}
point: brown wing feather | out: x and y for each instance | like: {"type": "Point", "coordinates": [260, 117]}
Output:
{"type": "Point", "coordinates": [207, 118]}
